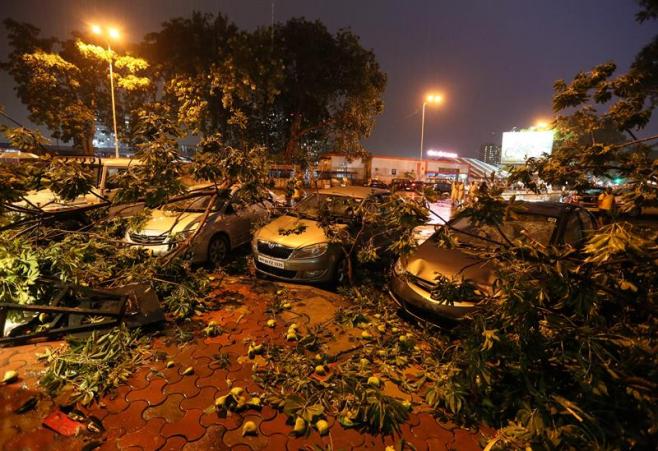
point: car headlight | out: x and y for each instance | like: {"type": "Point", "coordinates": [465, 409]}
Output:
{"type": "Point", "coordinates": [184, 234]}
{"type": "Point", "coordinates": [312, 251]}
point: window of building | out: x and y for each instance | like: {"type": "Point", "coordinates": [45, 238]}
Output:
{"type": "Point", "coordinates": [394, 171]}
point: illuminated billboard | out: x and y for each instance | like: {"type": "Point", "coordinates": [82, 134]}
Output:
{"type": "Point", "coordinates": [519, 146]}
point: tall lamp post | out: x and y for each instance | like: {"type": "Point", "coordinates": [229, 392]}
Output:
{"type": "Point", "coordinates": [110, 34]}
{"type": "Point", "coordinates": [432, 99]}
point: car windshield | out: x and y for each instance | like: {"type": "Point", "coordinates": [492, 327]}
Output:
{"type": "Point", "coordinates": [197, 204]}
{"type": "Point", "coordinates": [538, 228]}
{"type": "Point", "coordinates": [317, 205]}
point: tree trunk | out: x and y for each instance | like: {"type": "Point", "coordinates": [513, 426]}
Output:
{"type": "Point", "coordinates": [293, 141]}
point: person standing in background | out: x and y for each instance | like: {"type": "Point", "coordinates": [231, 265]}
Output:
{"type": "Point", "coordinates": [460, 193]}
{"type": "Point", "coordinates": [606, 204]}
{"type": "Point", "coordinates": [453, 192]}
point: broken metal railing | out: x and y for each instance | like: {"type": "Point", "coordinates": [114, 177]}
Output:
{"type": "Point", "coordinates": [81, 309]}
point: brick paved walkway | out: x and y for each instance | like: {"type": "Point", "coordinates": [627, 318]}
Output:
{"type": "Point", "coordinates": [160, 408]}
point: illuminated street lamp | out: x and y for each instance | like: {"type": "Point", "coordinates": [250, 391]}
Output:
{"type": "Point", "coordinates": [433, 99]}
{"type": "Point", "coordinates": [542, 124]}
{"type": "Point", "coordinates": [110, 33]}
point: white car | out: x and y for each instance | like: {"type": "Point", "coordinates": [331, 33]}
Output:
{"type": "Point", "coordinates": [101, 171]}
{"type": "Point", "coordinates": [227, 226]}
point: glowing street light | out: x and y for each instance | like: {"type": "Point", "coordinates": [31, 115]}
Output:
{"type": "Point", "coordinates": [110, 33]}
{"type": "Point", "coordinates": [433, 99]}
{"type": "Point", "coordinates": [542, 124]}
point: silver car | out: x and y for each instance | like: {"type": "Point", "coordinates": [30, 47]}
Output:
{"type": "Point", "coordinates": [228, 225]}
{"type": "Point", "coordinates": [294, 247]}
{"type": "Point", "coordinates": [418, 275]}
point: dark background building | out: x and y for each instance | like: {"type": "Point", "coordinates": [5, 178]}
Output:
{"type": "Point", "coordinates": [490, 153]}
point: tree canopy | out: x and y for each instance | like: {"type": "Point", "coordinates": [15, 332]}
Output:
{"type": "Point", "coordinates": [295, 88]}
{"type": "Point", "coordinates": [65, 84]}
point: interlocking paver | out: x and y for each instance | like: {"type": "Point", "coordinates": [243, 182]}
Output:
{"type": "Point", "coordinates": [175, 443]}
{"type": "Point", "coordinates": [169, 410]}
{"type": "Point", "coordinates": [152, 393]}
{"type": "Point", "coordinates": [256, 442]}
{"type": "Point", "coordinates": [128, 420]}
{"type": "Point", "coordinates": [303, 442]}
{"type": "Point", "coordinates": [211, 441]}
{"type": "Point", "coordinates": [230, 420]}
{"type": "Point", "coordinates": [186, 386]}
{"type": "Point", "coordinates": [188, 426]}
{"type": "Point", "coordinates": [216, 379]}
{"type": "Point", "coordinates": [203, 400]}
{"type": "Point", "coordinates": [277, 441]}
{"type": "Point", "coordinates": [138, 379]}
{"type": "Point", "coordinates": [346, 438]}
{"type": "Point", "coordinates": [147, 437]}
{"type": "Point", "coordinates": [277, 425]}
{"type": "Point", "coordinates": [116, 402]}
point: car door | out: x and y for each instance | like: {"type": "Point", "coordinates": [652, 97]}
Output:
{"type": "Point", "coordinates": [238, 220]}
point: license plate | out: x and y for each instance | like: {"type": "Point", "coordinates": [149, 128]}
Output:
{"type": "Point", "coordinates": [270, 262]}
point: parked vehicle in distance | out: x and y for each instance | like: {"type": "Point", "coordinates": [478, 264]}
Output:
{"type": "Point", "coordinates": [227, 226]}
{"type": "Point", "coordinates": [441, 186]}
{"type": "Point", "coordinates": [294, 247]}
{"type": "Point", "coordinates": [374, 183]}
{"type": "Point", "coordinates": [406, 185]}
{"type": "Point", "coordinates": [417, 275]}
{"type": "Point", "coordinates": [589, 199]}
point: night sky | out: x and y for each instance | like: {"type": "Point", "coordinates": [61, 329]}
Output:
{"type": "Point", "coordinates": [495, 61]}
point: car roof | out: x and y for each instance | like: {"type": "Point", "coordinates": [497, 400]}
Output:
{"type": "Point", "coordinates": [360, 192]}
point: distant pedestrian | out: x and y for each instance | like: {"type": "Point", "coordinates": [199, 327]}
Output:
{"type": "Point", "coordinates": [606, 204]}
{"type": "Point", "coordinates": [453, 192]}
{"type": "Point", "coordinates": [472, 192]}
{"type": "Point", "coordinates": [460, 193]}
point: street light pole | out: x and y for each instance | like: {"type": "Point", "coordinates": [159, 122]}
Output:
{"type": "Point", "coordinates": [110, 33]}
{"type": "Point", "coordinates": [429, 99]}
{"type": "Point", "coordinates": [422, 137]}
{"type": "Point", "coordinates": [114, 110]}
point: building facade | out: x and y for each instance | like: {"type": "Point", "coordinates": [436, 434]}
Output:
{"type": "Point", "coordinates": [490, 153]}
{"type": "Point", "coordinates": [387, 168]}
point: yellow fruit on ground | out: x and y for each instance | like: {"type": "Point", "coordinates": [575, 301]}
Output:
{"type": "Point", "coordinates": [300, 426]}
{"type": "Point", "coordinates": [366, 335]}
{"type": "Point", "coordinates": [188, 371]}
{"type": "Point", "coordinates": [221, 401]}
{"type": "Point", "coordinates": [236, 391]}
{"type": "Point", "coordinates": [320, 370]}
{"type": "Point", "coordinates": [10, 376]}
{"type": "Point", "coordinates": [249, 428]}
{"type": "Point", "coordinates": [374, 381]}
{"type": "Point", "coordinates": [271, 323]}
{"type": "Point", "coordinates": [171, 364]}
{"type": "Point", "coordinates": [322, 426]}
